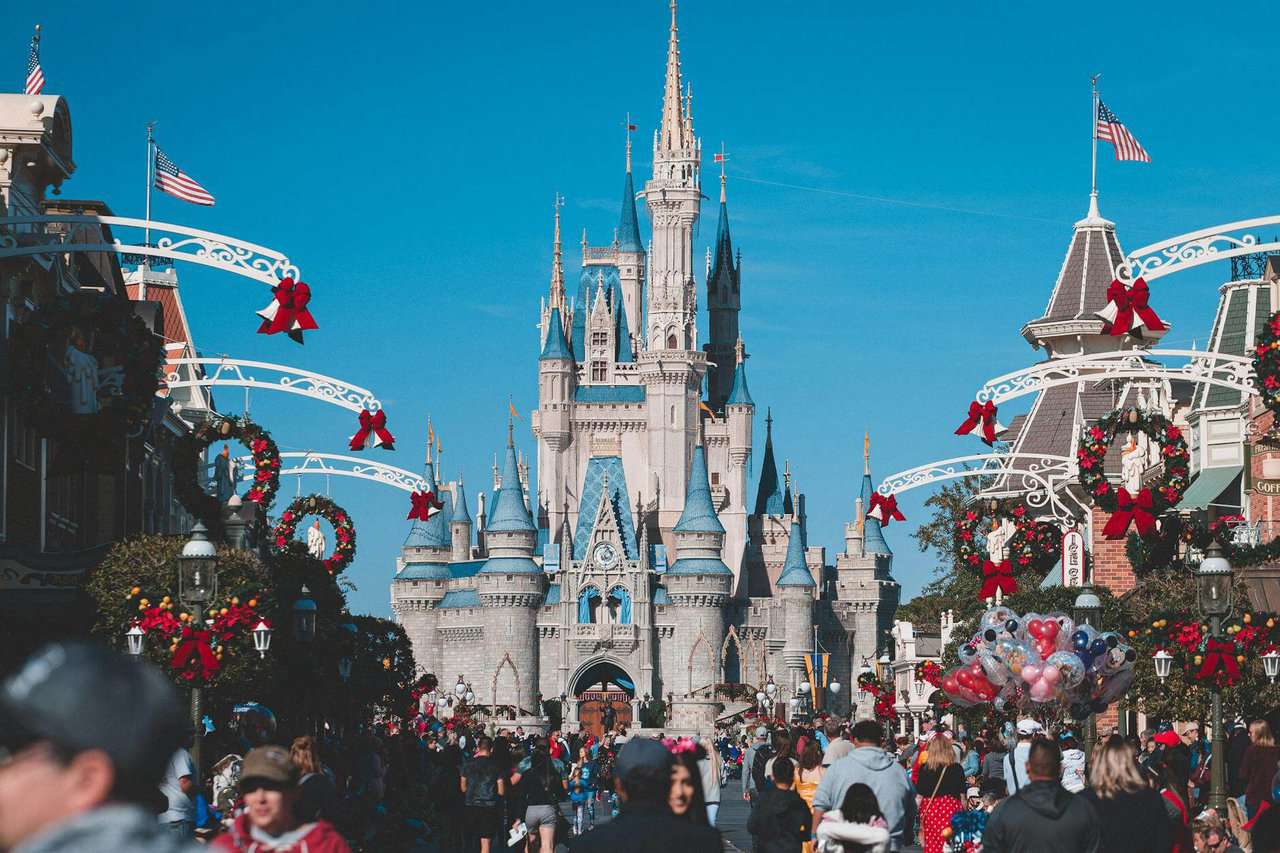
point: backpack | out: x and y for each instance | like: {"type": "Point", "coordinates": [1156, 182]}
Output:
{"type": "Point", "coordinates": [763, 754]}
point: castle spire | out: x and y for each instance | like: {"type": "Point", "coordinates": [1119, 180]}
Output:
{"type": "Point", "coordinates": [769, 494]}
{"type": "Point", "coordinates": [672, 134]}
{"type": "Point", "coordinates": [557, 263]}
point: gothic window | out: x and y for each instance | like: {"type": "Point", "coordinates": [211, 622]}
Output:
{"type": "Point", "coordinates": [588, 606]}
{"type": "Point", "coordinates": [672, 341]}
{"type": "Point", "coordinates": [599, 371]}
{"type": "Point", "coordinates": [619, 606]}
{"type": "Point", "coordinates": [600, 339]}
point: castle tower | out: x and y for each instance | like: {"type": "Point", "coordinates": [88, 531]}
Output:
{"type": "Point", "coordinates": [557, 379]}
{"type": "Point", "coordinates": [698, 583]}
{"type": "Point", "coordinates": [630, 258]}
{"type": "Point", "coordinates": [511, 589]}
{"type": "Point", "coordinates": [723, 303]}
{"type": "Point", "coordinates": [739, 412]}
{"type": "Point", "coordinates": [797, 588]}
{"type": "Point", "coordinates": [460, 525]}
{"type": "Point", "coordinates": [430, 540]}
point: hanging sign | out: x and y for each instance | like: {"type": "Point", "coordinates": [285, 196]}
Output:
{"type": "Point", "coordinates": [1072, 558]}
{"type": "Point", "coordinates": [1271, 488]}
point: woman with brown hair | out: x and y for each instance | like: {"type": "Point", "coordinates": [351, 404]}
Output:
{"type": "Point", "coordinates": [942, 777]}
{"type": "Point", "coordinates": [1131, 814]}
{"type": "Point", "coordinates": [1258, 766]}
{"type": "Point", "coordinates": [318, 794]}
{"type": "Point", "coordinates": [808, 775]}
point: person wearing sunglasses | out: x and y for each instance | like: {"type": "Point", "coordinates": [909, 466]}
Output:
{"type": "Point", "coordinates": [269, 824]}
{"type": "Point", "coordinates": [85, 737]}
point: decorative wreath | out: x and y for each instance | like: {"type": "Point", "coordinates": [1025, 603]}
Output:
{"type": "Point", "coordinates": [929, 672]}
{"type": "Point", "coordinates": [1266, 364]}
{"type": "Point", "coordinates": [884, 695]}
{"type": "Point", "coordinates": [197, 642]}
{"type": "Point", "coordinates": [1212, 660]}
{"type": "Point", "coordinates": [1143, 508]}
{"type": "Point", "coordinates": [1034, 547]}
{"type": "Point", "coordinates": [344, 549]}
{"type": "Point", "coordinates": [111, 342]}
{"type": "Point", "coordinates": [189, 454]}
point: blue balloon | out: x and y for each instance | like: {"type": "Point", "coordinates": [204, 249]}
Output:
{"type": "Point", "coordinates": [1080, 641]}
{"type": "Point", "coordinates": [1098, 648]}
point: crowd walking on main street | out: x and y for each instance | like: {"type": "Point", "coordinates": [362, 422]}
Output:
{"type": "Point", "coordinates": [121, 779]}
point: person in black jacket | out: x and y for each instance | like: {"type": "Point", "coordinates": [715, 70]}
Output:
{"type": "Point", "coordinates": [643, 780]}
{"type": "Point", "coordinates": [1043, 817]}
{"type": "Point", "coordinates": [780, 822]}
{"type": "Point", "coordinates": [1131, 811]}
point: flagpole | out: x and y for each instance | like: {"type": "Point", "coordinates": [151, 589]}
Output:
{"type": "Point", "coordinates": [146, 240]}
{"type": "Point", "coordinates": [1093, 177]}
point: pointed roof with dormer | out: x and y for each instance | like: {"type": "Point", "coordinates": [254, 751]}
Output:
{"type": "Point", "coordinates": [795, 572]}
{"type": "Point", "coordinates": [769, 494]}
{"type": "Point", "coordinates": [873, 541]}
{"type": "Point", "coordinates": [509, 510]}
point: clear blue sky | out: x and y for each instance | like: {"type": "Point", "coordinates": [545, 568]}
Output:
{"type": "Point", "coordinates": [407, 159]}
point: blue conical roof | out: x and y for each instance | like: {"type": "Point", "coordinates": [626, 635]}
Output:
{"type": "Point", "coordinates": [739, 395]}
{"type": "Point", "coordinates": [699, 513]}
{"type": "Point", "coordinates": [509, 511]}
{"type": "Point", "coordinates": [434, 532]}
{"type": "Point", "coordinates": [460, 509]}
{"type": "Point", "coordinates": [872, 536]}
{"type": "Point", "coordinates": [794, 570]}
{"type": "Point", "coordinates": [723, 256]}
{"type": "Point", "coordinates": [622, 330]}
{"type": "Point", "coordinates": [628, 225]}
{"type": "Point", "coordinates": [769, 495]}
{"type": "Point", "coordinates": [556, 346]}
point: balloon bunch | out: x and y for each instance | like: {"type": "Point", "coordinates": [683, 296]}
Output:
{"type": "Point", "coordinates": [1039, 661]}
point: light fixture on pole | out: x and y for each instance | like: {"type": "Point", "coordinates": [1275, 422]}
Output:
{"type": "Point", "coordinates": [1271, 664]}
{"type": "Point", "coordinates": [1164, 664]}
{"type": "Point", "coordinates": [135, 638]}
{"type": "Point", "coordinates": [198, 570]}
{"type": "Point", "coordinates": [460, 689]}
{"type": "Point", "coordinates": [344, 668]}
{"type": "Point", "coordinates": [834, 687]}
{"type": "Point", "coordinates": [304, 617]}
{"type": "Point", "coordinates": [262, 638]}
{"type": "Point", "coordinates": [1214, 579]}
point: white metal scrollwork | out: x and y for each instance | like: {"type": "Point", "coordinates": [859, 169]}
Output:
{"type": "Point", "coordinates": [30, 235]}
{"type": "Point", "coordinates": [306, 462]}
{"type": "Point", "coordinates": [1199, 247]}
{"type": "Point", "coordinates": [1207, 368]}
{"type": "Point", "coordinates": [1039, 479]}
{"type": "Point", "coordinates": [240, 373]}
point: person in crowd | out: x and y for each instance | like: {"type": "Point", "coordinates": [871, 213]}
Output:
{"type": "Point", "coordinates": [871, 765]}
{"type": "Point", "coordinates": [970, 762]}
{"type": "Point", "coordinates": [993, 761]}
{"type": "Point", "coordinates": [709, 775]}
{"type": "Point", "coordinates": [783, 747]}
{"type": "Point", "coordinates": [1236, 821]}
{"type": "Point", "coordinates": [838, 746]}
{"type": "Point", "coordinates": [943, 779]}
{"type": "Point", "coordinates": [76, 782]}
{"type": "Point", "coordinates": [991, 793]}
{"type": "Point", "coordinates": [1172, 768]}
{"type": "Point", "coordinates": [1237, 745]}
{"type": "Point", "coordinates": [645, 822]}
{"type": "Point", "coordinates": [1258, 766]}
{"type": "Point", "coordinates": [179, 789]}
{"type": "Point", "coordinates": [319, 794]}
{"type": "Point", "coordinates": [482, 786]}
{"type": "Point", "coordinates": [780, 822]}
{"type": "Point", "coordinates": [1132, 815]}
{"type": "Point", "coordinates": [1042, 816]}
{"type": "Point", "coordinates": [760, 761]}
{"type": "Point", "coordinates": [749, 786]}
{"type": "Point", "coordinates": [1015, 762]}
{"type": "Point", "coordinates": [686, 799]}
{"type": "Point", "coordinates": [809, 773]}
{"type": "Point", "coordinates": [1211, 836]}
{"type": "Point", "coordinates": [1073, 765]}
{"type": "Point", "coordinates": [589, 776]}
{"type": "Point", "coordinates": [269, 786]}
{"type": "Point", "coordinates": [543, 790]}
{"type": "Point", "coordinates": [578, 797]}
{"type": "Point", "coordinates": [856, 827]}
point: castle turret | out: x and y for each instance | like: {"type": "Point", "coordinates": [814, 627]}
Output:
{"type": "Point", "coordinates": [430, 540]}
{"type": "Point", "coordinates": [723, 305]}
{"type": "Point", "coordinates": [557, 379]}
{"type": "Point", "coordinates": [796, 587]}
{"type": "Point", "coordinates": [511, 589]}
{"type": "Point", "coordinates": [698, 582]}
{"type": "Point", "coordinates": [460, 525]}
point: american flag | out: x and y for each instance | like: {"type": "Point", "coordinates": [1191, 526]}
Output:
{"type": "Point", "coordinates": [35, 74]}
{"type": "Point", "coordinates": [177, 183]}
{"type": "Point", "coordinates": [1112, 130]}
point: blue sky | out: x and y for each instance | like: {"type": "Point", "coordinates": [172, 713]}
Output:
{"type": "Point", "coordinates": [407, 158]}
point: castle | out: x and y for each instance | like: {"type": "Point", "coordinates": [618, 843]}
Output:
{"type": "Point", "coordinates": [637, 567]}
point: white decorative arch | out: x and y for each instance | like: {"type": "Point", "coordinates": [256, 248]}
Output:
{"type": "Point", "coordinates": [1186, 251]}
{"type": "Point", "coordinates": [18, 238]}
{"type": "Point", "coordinates": [571, 686]}
{"type": "Point", "coordinates": [506, 661]}
{"type": "Point", "coordinates": [732, 635]}
{"type": "Point", "coordinates": [307, 462]}
{"type": "Point", "coordinates": [1039, 478]}
{"type": "Point", "coordinates": [242, 373]}
{"type": "Point", "coordinates": [1205, 368]}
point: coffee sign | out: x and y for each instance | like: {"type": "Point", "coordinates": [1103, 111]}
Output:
{"type": "Point", "coordinates": [1270, 488]}
{"type": "Point", "coordinates": [1072, 558]}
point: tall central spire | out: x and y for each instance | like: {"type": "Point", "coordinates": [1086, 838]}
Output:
{"type": "Point", "coordinates": [673, 133]}
{"type": "Point", "coordinates": [557, 264]}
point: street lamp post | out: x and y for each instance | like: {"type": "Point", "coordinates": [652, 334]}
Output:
{"type": "Point", "coordinates": [1214, 579]}
{"type": "Point", "coordinates": [1088, 611]}
{"type": "Point", "coordinates": [197, 587]}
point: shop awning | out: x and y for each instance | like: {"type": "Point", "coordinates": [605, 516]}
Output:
{"type": "Point", "coordinates": [1209, 486]}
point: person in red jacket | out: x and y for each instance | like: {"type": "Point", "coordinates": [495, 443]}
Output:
{"type": "Point", "coordinates": [269, 786]}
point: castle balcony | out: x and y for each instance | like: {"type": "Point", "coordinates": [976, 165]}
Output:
{"type": "Point", "coordinates": [594, 637]}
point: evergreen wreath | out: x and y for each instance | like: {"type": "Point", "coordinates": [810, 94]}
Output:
{"type": "Point", "coordinates": [1091, 455]}
{"type": "Point", "coordinates": [189, 453]}
{"type": "Point", "coordinates": [344, 533]}
{"type": "Point", "coordinates": [1266, 364]}
{"type": "Point", "coordinates": [114, 333]}
{"type": "Point", "coordinates": [1035, 545]}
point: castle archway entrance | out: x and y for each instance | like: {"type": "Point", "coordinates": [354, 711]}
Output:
{"type": "Point", "coordinates": [603, 691]}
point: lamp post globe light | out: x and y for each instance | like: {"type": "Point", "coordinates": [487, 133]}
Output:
{"type": "Point", "coordinates": [1164, 664]}
{"type": "Point", "coordinates": [135, 638]}
{"type": "Point", "coordinates": [304, 617]}
{"type": "Point", "coordinates": [460, 689]}
{"type": "Point", "coordinates": [198, 569]}
{"type": "Point", "coordinates": [834, 687]}
{"type": "Point", "coordinates": [1214, 581]}
{"type": "Point", "coordinates": [1271, 665]}
{"type": "Point", "coordinates": [262, 638]}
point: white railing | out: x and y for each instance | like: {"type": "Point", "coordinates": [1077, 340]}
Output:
{"type": "Point", "coordinates": [241, 373]}
{"type": "Point", "coordinates": [1186, 251]}
{"type": "Point", "coordinates": [307, 462]}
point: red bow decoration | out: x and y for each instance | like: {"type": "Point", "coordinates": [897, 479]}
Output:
{"type": "Point", "coordinates": [1136, 509]}
{"type": "Point", "coordinates": [984, 413]}
{"type": "Point", "coordinates": [997, 576]}
{"type": "Point", "coordinates": [1219, 654]}
{"type": "Point", "coordinates": [373, 424]}
{"type": "Point", "coordinates": [423, 505]}
{"type": "Point", "coordinates": [195, 643]}
{"type": "Point", "coordinates": [1122, 306]}
{"type": "Point", "coordinates": [288, 311]}
{"type": "Point", "coordinates": [885, 509]}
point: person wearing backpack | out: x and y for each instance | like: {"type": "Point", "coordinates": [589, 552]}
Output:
{"type": "Point", "coordinates": [482, 784]}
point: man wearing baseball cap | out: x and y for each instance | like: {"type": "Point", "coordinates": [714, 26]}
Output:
{"type": "Point", "coordinates": [85, 736]}
{"type": "Point", "coordinates": [643, 778]}
{"type": "Point", "coordinates": [269, 786]}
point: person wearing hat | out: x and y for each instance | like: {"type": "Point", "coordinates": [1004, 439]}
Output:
{"type": "Point", "coordinates": [76, 782]}
{"type": "Point", "coordinates": [1015, 763]}
{"type": "Point", "coordinates": [643, 779]}
{"type": "Point", "coordinates": [269, 786]}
